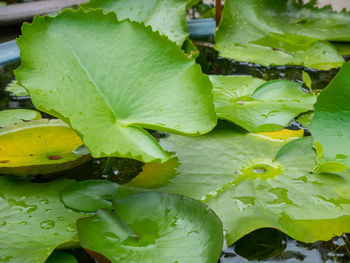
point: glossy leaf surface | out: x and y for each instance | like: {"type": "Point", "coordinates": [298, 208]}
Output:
{"type": "Point", "coordinates": [12, 116]}
{"type": "Point", "coordinates": [280, 32]}
{"type": "Point", "coordinates": [123, 78]}
{"type": "Point", "coordinates": [259, 106]}
{"type": "Point", "coordinates": [33, 220]}
{"type": "Point", "coordinates": [251, 183]}
{"type": "Point", "coordinates": [331, 124]}
{"type": "Point", "coordinates": [154, 227]}
{"type": "Point", "coordinates": [89, 195]}
{"type": "Point", "coordinates": [168, 17]}
{"type": "Point", "coordinates": [39, 147]}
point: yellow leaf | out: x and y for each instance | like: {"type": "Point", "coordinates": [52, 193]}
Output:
{"type": "Point", "coordinates": [39, 147]}
{"type": "Point", "coordinates": [284, 134]}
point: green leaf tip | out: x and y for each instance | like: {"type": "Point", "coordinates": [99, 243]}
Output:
{"type": "Point", "coordinates": [110, 79]}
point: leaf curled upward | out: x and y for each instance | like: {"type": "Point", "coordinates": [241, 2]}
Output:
{"type": "Point", "coordinates": [110, 79]}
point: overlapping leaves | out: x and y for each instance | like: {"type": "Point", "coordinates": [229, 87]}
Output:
{"type": "Point", "coordinates": [280, 32]}
{"type": "Point", "coordinates": [259, 106]}
{"type": "Point", "coordinates": [168, 17]}
{"type": "Point", "coordinates": [110, 87]}
{"type": "Point", "coordinates": [33, 220]}
{"type": "Point", "coordinates": [251, 182]}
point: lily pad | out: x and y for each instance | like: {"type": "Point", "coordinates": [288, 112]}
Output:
{"type": "Point", "coordinates": [331, 124]}
{"type": "Point", "coordinates": [259, 106]}
{"type": "Point", "coordinates": [90, 195]}
{"type": "Point", "coordinates": [33, 220]}
{"type": "Point", "coordinates": [251, 183]}
{"type": "Point", "coordinates": [123, 78]}
{"type": "Point", "coordinates": [12, 116]}
{"type": "Point", "coordinates": [15, 89]}
{"type": "Point", "coordinates": [61, 257]}
{"type": "Point", "coordinates": [167, 17]}
{"type": "Point", "coordinates": [153, 227]}
{"type": "Point", "coordinates": [39, 147]}
{"type": "Point", "coordinates": [280, 32]}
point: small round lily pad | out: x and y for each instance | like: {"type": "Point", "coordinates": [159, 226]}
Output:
{"type": "Point", "coordinates": [12, 116]}
{"type": "Point", "coordinates": [153, 227]}
{"type": "Point", "coordinates": [39, 147]}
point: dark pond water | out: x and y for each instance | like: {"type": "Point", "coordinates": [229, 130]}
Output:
{"type": "Point", "coordinates": [268, 245]}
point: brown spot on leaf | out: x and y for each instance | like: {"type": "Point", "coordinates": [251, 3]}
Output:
{"type": "Point", "coordinates": [55, 157]}
{"type": "Point", "coordinates": [4, 161]}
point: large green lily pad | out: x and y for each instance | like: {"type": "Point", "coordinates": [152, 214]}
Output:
{"type": "Point", "coordinates": [251, 183]}
{"type": "Point", "coordinates": [280, 32]}
{"type": "Point", "coordinates": [331, 124]}
{"type": "Point", "coordinates": [40, 147]}
{"type": "Point", "coordinates": [12, 116]}
{"type": "Point", "coordinates": [124, 77]}
{"type": "Point", "coordinates": [168, 17]}
{"type": "Point", "coordinates": [153, 227]}
{"type": "Point", "coordinates": [33, 220]}
{"type": "Point", "coordinates": [257, 105]}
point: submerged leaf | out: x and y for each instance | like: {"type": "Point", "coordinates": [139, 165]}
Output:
{"type": "Point", "coordinates": [331, 123]}
{"type": "Point", "coordinates": [12, 116]}
{"type": "Point", "coordinates": [16, 89]}
{"type": "Point", "coordinates": [168, 17]}
{"type": "Point", "coordinates": [280, 32]}
{"type": "Point", "coordinates": [122, 78]}
{"type": "Point", "coordinates": [153, 227]}
{"type": "Point", "coordinates": [257, 105]}
{"type": "Point", "coordinates": [39, 147]}
{"type": "Point", "coordinates": [251, 183]}
{"type": "Point", "coordinates": [33, 220]}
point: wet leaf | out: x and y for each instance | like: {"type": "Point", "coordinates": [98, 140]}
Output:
{"type": "Point", "coordinates": [282, 32]}
{"type": "Point", "coordinates": [16, 89]}
{"type": "Point", "coordinates": [261, 244]}
{"type": "Point", "coordinates": [259, 106]}
{"type": "Point", "coordinates": [154, 227]}
{"type": "Point", "coordinates": [167, 17]}
{"type": "Point", "coordinates": [39, 147]}
{"type": "Point", "coordinates": [12, 116]}
{"type": "Point", "coordinates": [89, 195]}
{"type": "Point", "coordinates": [331, 123]}
{"type": "Point", "coordinates": [106, 93]}
{"type": "Point", "coordinates": [33, 220]}
{"type": "Point", "coordinates": [61, 257]}
{"type": "Point", "coordinates": [251, 183]}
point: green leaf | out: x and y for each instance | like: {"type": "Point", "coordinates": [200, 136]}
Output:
{"type": "Point", "coordinates": [61, 257]}
{"type": "Point", "coordinates": [307, 80]}
{"type": "Point", "coordinates": [251, 182]}
{"type": "Point", "coordinates": [261, 244]}
{"type": "Point", "coordinates": [305, 118]}
{"type": "Point", "coordinates": [280, 32]}
{"type": "Point", "coordinates": [153, 227]}
{"type": "Point", "coordinates": [256, 105]}
{"type": "Point", "coordinates": [331, 123]}
{"type": "Point", "coordinates": [331, 167]}
{"type": "Point", "coordinates": [167, 17]}
{"type": "Point", "coordinates": [39, 147]}
{"type": "Point", "coordinates": [16, 89]}
{"type": "Point", "coordinates": [12, 116]}
{"type": "Point", "coordinates": [122, 78]}
{"type": "Point", "coordinates": [319, 151]}
{"type": "Point", "coordinates": [89, 195]}
{"type": "Point", "coordinates": [33, 220]}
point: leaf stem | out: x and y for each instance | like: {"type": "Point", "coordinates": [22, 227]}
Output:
{"type": "Point", "coordinates": [108, 166]}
